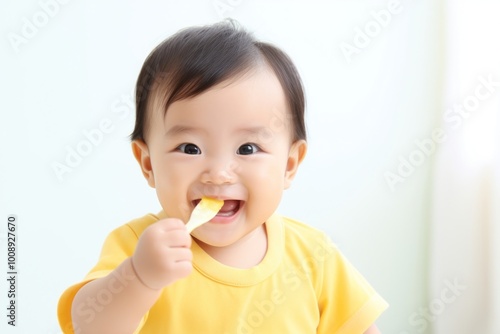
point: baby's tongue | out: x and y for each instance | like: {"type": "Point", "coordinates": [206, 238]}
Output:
{"type": "Point", "coordinates": [229, 205]}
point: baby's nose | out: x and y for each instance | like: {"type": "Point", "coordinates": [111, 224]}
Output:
{"type": "Point", "coordinates": [220, 173]}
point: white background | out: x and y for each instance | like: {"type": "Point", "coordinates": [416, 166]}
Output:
{"type": "Point", "coordinates": [80, 67]}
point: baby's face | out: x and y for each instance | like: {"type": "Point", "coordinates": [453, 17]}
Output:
{"type": "Point", "coordinates": [232, 142]}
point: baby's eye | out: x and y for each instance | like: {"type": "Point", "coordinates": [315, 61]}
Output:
{"type": "Point", "coordinates": [248, 148]}
{"type": "Point", "coordinates": [189, 148]}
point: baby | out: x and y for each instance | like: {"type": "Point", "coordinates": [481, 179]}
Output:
{"type": "Point", "coordinates": [221, 115]}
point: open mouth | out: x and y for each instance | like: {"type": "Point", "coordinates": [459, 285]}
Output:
{"type": "Point", "coordinates": [229, 209]}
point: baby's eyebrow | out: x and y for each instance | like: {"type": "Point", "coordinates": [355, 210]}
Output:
{"type": "Point", "coordinates": [252, 130]}
{"type": "Point", "coordinates": [182, 129]}
{"type": "Point", "coordinates": [179, 129]}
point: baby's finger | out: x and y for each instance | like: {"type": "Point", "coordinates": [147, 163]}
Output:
{"type": "Point", "coordinates": [181, 255]}
{"type": "Point", "coordinates": [177, 238]}
{"type": "Point", "coordinates": [170, 224]}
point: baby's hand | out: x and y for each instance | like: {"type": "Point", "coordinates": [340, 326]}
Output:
{"type": "Point", "coordinates": [163, 253]}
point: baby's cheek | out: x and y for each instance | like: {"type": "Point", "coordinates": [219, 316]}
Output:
{"type": "Point", "coordinates": [172, 192]}
{"type": "Point", "coordinates": [274, 173]}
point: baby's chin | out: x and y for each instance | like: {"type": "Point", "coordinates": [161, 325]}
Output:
{"type": "Point", "coordinates": [211, 244]}
{"type": "Point", "coordinates": [226, 239]}
{"type": "Point", "coordinates": [220, 242]}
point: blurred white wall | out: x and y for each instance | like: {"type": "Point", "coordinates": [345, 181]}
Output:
{"type": "Point", "coordinates": [465, 220]}
{"type": "Point", "coordinates": [367, 105]}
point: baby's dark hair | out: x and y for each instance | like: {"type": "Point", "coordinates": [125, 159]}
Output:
{"type": "Point", "coordinates": [195, 59]}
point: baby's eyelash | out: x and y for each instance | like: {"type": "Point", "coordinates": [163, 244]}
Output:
{"type": "Point", "coordinates": [244, 149]}
{"type": "Point", "coordinates": [188, 148]}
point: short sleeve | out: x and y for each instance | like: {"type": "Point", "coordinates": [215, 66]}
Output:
{"type": "Point", "coordinates": [348, 303]}
{"type": "Point", "coordinates": [119, 245]}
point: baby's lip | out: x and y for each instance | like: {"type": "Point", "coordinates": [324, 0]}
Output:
{"type": "Point", "coordinates": [196, 201]}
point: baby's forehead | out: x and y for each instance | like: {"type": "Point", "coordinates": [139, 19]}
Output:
{"type": "Point", "coordinates": [254, 95]}
{"type": "Point", "coordinates": [166, 92]}
{"type": "Point", "coordinates": [197, 59]}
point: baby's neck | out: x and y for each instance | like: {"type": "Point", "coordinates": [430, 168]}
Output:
{"type": "Point", "coordinates": [246, 253]}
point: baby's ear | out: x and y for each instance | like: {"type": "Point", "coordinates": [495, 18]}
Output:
{"type": "Point", "coordinates": [296, 154]}
{"type": "Point", "coordinates": [141, 154]}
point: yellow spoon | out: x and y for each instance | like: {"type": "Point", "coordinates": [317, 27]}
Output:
{"type": "Point", "coordinates": [206, 209]}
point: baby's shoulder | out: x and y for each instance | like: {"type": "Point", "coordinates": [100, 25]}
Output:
{"type": "Point", "coordinates": [297, 229]}
{"type": "Point", "coordinates": [304, 237]}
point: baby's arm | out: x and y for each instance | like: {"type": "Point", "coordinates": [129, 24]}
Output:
{"type": "Point", "coordinates": [162, 256]}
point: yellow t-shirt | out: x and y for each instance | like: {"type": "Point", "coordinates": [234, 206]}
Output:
{"type": "Point", "coordinates": [303, 285]}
